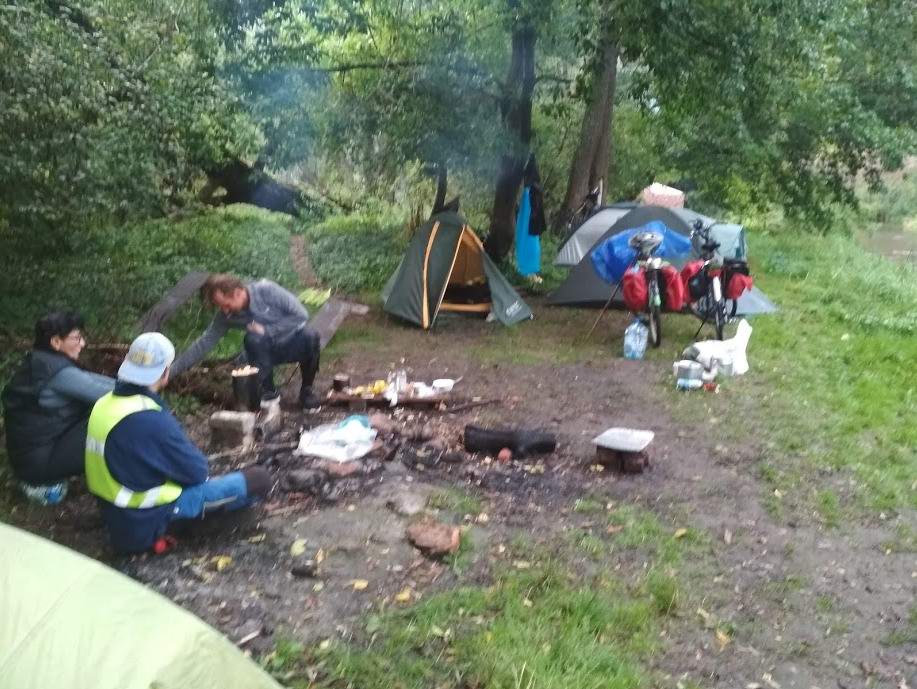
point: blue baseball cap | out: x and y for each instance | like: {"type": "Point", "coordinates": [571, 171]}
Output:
{"type": "Point", "coordinates": [149, 356]}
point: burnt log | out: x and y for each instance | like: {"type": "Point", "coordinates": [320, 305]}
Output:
{"type": "Point", "coordinates": [520, 441]}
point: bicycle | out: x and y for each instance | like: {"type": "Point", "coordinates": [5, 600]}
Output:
{"type": "Point", "coordinates": [586, 210]}
{"type": "Point", "coordinates": [706, 287]}
{"type": "Point", "coordinates": [646, 244]}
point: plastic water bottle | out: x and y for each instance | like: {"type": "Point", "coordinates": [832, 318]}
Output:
{"type": "Point", "coordinates": [51, 494]}
{"type": "Point", "coordinates": [635, 338]}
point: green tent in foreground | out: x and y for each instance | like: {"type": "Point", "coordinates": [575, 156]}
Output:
{"type": "Point", "coordinates": [69, 621]}
{"type": "Point", "coordinates": [445, 268]}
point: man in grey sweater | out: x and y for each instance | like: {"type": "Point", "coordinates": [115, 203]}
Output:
{"type": "Point", "coordinates": [277, 333]}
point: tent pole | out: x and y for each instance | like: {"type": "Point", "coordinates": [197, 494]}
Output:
{"type": "Point", "coordinates": [602, 312]}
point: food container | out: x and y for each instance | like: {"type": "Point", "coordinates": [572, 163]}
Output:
{"type": "Point", "coordinates": [246, 388]}
{"type": "Point", "coordinates": [443, 385]}
{"type": "Point", "coordinates": [688, 370]}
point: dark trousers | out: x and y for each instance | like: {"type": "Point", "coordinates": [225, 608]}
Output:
{"type": "Point", "coordinates": [67, 458]}
{"type": "Point", "coordinates": [301, 347]}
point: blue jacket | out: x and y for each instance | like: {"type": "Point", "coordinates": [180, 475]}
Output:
{"type": "Point", "coordinates": [144, 450]}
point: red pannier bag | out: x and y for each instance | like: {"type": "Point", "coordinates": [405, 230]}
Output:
{"type": "Point", "coordinates": [636, 293]}
{"type": "Point", "coordinates": [674, 288]}
{"type": "Point", "coordinates": [738, 284]}
{"type": "Point", "coordinates": [691, 269]}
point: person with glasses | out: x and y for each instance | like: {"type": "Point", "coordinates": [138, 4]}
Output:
{"type": "Point", "coordinates": [46, 408]}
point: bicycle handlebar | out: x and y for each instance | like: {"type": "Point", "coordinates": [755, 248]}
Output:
{"type": "Point", "coordinates": [708, 245]}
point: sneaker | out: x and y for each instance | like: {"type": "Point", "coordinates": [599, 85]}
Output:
{"type": "Point", "coordinates": [51, 494]}
{"type": "Point", "coordinates": [308, 400]}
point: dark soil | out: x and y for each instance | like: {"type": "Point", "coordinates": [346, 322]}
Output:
{"type": "Point", "coordinates": [806, 607]}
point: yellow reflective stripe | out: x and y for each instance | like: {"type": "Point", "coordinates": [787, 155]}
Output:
{"type": "Point", "coordinates": [149, 498]}
{"type": "Point", "coordinates": [123, 498]}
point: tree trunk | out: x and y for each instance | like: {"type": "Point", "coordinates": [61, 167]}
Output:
{"type": "Point", "coordinates": [516, 110]}
{"type": "Point", "coordinates": [590, 162]}
{"type": "Point", "coordinates": [604, 152]}
{"type": "Point", "coordinates": [442, 183]}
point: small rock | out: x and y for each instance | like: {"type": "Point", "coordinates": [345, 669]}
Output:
{"type": "Point", "coordinates": [305, 480]}
{"type": "Point", "coordinates": [305, 569]}
{"type": "Point", "coordinates": [382, 423]}
{"type": "Point", "coordinates": [407, 504]}
{"type": "Point", "coordinates": [434, 538]}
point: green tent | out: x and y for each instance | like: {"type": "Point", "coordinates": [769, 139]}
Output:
{"type": "Point", "coordinates": [69, 621]}
{"type": "Point", "coordinates": [445, 268]}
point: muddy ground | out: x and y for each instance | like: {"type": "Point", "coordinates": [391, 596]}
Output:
{"type": "Point", "coordinates": [807, 607]}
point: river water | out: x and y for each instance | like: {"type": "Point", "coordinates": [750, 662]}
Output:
{"type": "Point", "coordinates": [899, 243]}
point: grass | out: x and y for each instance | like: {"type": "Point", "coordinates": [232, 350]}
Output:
{"type": "Point", "coordinates": [588, 505]}
{"type": "Point", "coordinates": [530, 628]}
{"type": "Point", "coordinates": [455, 501]}
{"type": "Point", "coordinates": [906, 633]}
{"type": "Point", "coordinates": [537, 623]}
{"type": "Point", "coordinates": [829, 396]}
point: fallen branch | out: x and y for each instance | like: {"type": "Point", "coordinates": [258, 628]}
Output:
{"type": "Point", "coordinates": [252, 450]}
{"type": "Point", "coordinates": [248, 637]}
{"type": "Point", "coordinates": [471, 405]}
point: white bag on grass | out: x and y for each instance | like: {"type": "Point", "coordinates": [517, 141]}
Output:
{"type": "Point", "coordinates": [708, 351]}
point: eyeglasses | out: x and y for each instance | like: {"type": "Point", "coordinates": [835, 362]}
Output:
{"type": "Point", "coordinates": [76, 337]}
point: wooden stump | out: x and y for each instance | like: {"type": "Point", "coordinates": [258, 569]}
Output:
{"type": "Point", "coordinates": [622, 462]}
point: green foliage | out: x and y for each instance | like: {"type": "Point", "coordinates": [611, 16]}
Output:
{"type": "Point", "coordinates": [116, 274]}
{"type": "Point", "coordinates": [663, 587]}
{"type": "Point", "coordinates": [792, 120]}
{"type": "Point", "coordinates": [111, 110]}
{"type": "Point", "coordinates": [359, 252]}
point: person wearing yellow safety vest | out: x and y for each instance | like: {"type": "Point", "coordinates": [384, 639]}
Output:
{"type": "Point", "coordinates": [142, 467]}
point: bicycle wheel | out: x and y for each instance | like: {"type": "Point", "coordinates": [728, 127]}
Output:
{"type": "Point", "coordinates": [655, 312]}
{"type": "Point", "coordinates": [655, 326]}
{"type": "Point", "coordinates": [719, 318]}
{"type": "Point", "coordinates": [708, 310]}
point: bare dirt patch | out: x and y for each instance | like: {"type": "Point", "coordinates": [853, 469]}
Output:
{"type": "Point", "coordinates": [795, 605]}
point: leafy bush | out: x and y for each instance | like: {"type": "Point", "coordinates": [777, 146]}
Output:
{"type": "Point", "coordinates": [359, 252]}
{"type": "Point", "coordinates": [116, 274]}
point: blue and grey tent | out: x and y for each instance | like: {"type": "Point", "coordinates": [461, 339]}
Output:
{"type": "Point", "coordinates": [585, 287]}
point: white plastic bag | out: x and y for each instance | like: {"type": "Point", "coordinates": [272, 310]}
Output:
{"type": "Point", "coordinates": [707, 351]}
{"type": "Point", "coordinates": [350, 439]}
